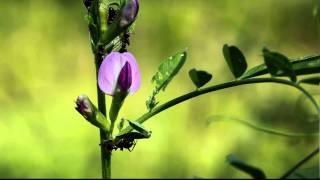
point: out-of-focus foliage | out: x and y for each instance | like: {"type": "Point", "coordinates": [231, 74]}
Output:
{"type": "Point", "coordinates": [244, 167]}
{"type": "Point", "coordinates": [306, 173]}
{"type": "Point", "coordinates": [46, 62]}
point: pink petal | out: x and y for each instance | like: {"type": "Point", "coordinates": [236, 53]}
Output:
{"type": "Point", "coordinates": [110, 70]}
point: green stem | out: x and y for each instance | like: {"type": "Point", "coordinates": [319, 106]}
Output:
{"type": "Point", "coordinates": [105, 154]}
{"type": "Point", "coordinates": [196, 93]}
{"type": "Point", "coordinates": [116, 104]}
{"type": "Point", "coordinates": [300, 163]}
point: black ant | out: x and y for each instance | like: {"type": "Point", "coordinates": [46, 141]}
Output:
{"type": "Point", "coordinates": [125, 40]}
{"type": "Point", "coordinates": [121, 144]}
{"type": "Point", "coordinates": [126, 144]}
{"type": "Point", "coordinates": [112, 14]}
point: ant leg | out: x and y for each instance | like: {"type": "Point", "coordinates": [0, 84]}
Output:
{"type": "Point", "coordinates": [134, 145]}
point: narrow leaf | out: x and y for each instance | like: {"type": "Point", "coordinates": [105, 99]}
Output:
{"type": "Point", "coordinates": [242, 166]}
{"type": "Point", "coordinates": [199, 78]}
{"type": "Point", "coordinates": [138, 127]}
{"type": "Point", "coordinates": [235, 60]}
{"type": "Point", "coordinates": [307, 65]}
{"type": "Point", "coordinates": [255, 71]}
{"type": "Point", "coordinates": [166, 72]}
{"type": "Point", "coordinates": [311, 80]}
{"type": "Point", "coordinates": [301, 66]}
{"type": "Point", "coordinates": [278, 63]}
{"type": "Point", "coordinates": [132, 135]}
{"type": "Point", "coordinates": [168, 69]}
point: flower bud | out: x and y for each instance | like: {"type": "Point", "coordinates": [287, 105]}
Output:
{"type": "Point", "coordinates": [125, 77]}
{"type": "Point", "coordinates": [129, 13]}
{"type": "Point", "coordinates": [85, 107]}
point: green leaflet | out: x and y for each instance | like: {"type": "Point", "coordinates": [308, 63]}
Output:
{"type": "Point", "coordinates": [168, 69]}
{"type": "Point", "coordinates": [142, 133]}
{"type": "Point", "coordinates": [166, 72]}
{"type": "Point", "coordinates": [199, 77]}
{"type": "Point", "coordinates": [138, 127]}
{"type": "Point", "coordinates": [235, 60]}
{"type": "Point", "coordinates": [278, 63]}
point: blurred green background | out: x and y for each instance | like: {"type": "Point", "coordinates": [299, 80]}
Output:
{"type": "Point", "coordinates": [46, 62]}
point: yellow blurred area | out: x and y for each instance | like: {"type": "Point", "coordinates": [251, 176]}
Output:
{"type": "Point", "coordinates": [46, 62]}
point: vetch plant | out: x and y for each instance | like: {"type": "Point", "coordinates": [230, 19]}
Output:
{"type": "Point", "coordinates": [110, 24]}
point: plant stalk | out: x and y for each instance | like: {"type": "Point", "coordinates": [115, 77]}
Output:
{"type": "Point", "coordinates": [105, 153]}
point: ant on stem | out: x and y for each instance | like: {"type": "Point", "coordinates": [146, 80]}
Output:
{"type": "Point", "coordinates": [121, 144]}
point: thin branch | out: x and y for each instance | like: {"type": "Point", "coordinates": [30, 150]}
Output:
{"type": "Point", "coordinates": [300, 163]}
{"type": "Point", "coordinates": [196, 93]}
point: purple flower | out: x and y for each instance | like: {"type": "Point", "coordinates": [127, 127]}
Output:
{"type": "Point", "coordinates": [129, 13]}
{"type": "Point", "coordinates": [119, 72]}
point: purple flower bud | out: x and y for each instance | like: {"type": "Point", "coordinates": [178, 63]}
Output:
{"type": "Point", "coordinates": [83, 106]}
{"type": "Point", "coordinates": [125, 77]}
{"type": "Point", "coordinates": [119, 72]}
{"type": "Point", "coordinates": [129, 13]}
{"type": "Point", "coordinates": [90, 112]}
